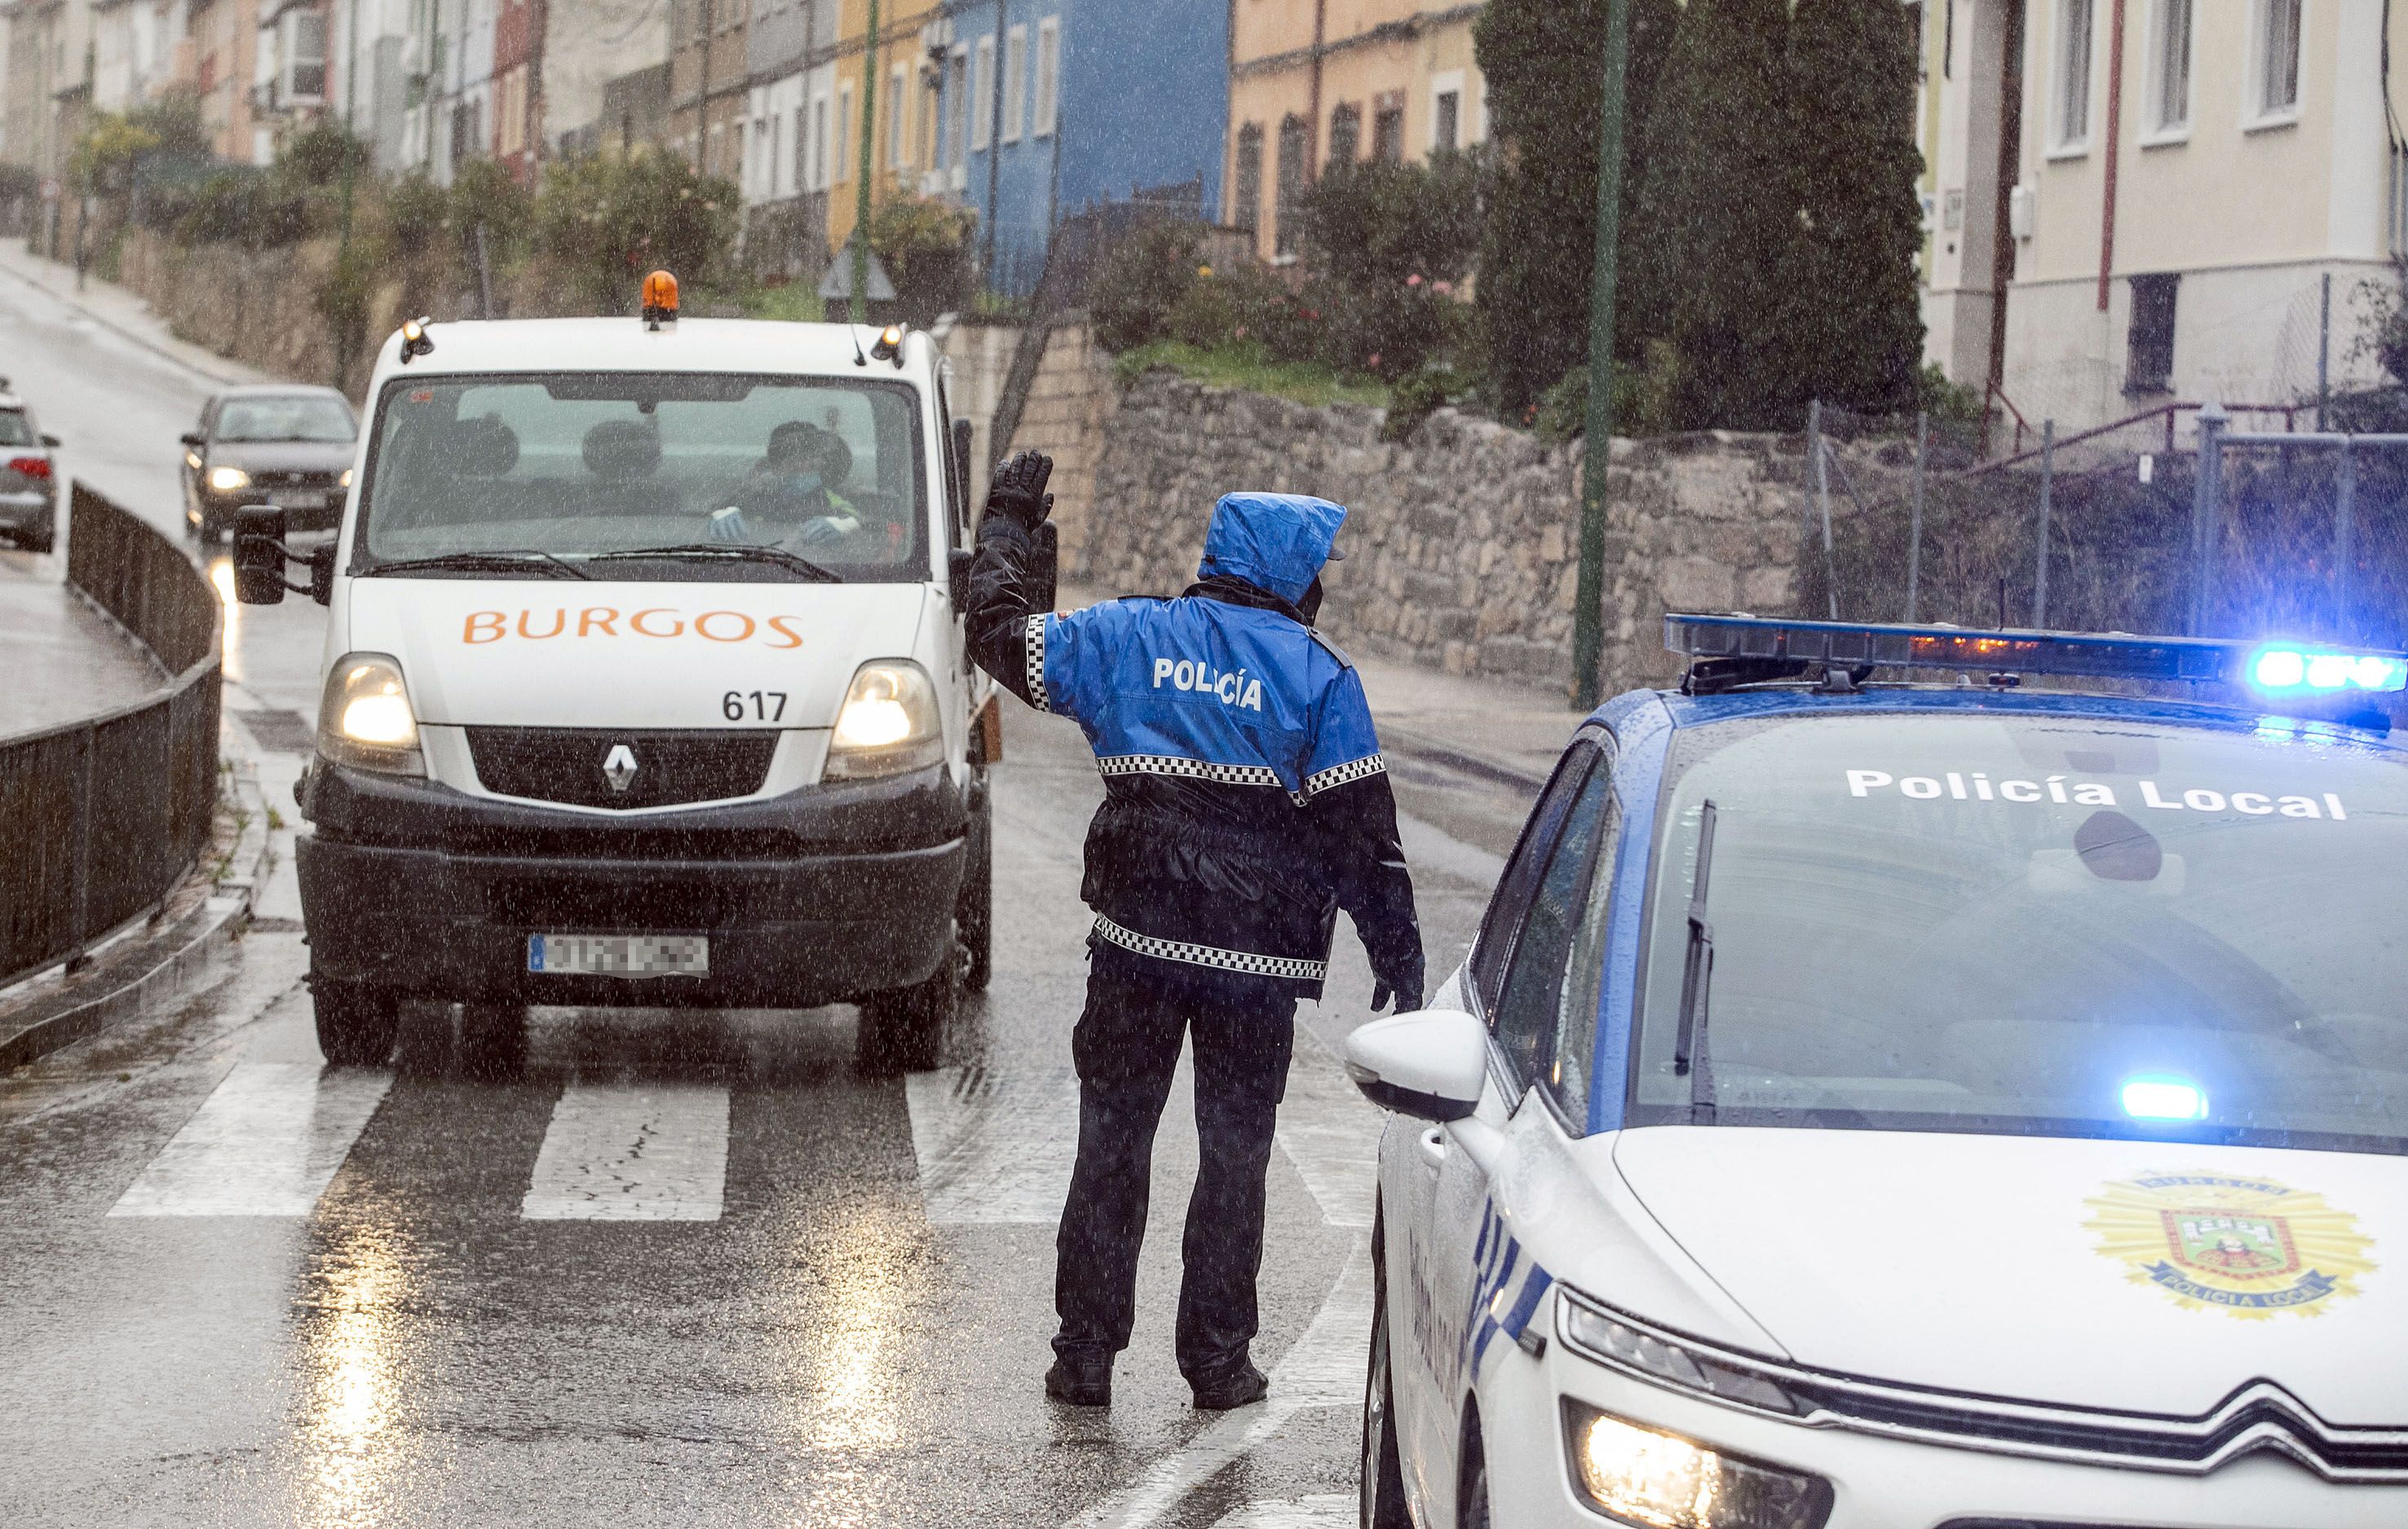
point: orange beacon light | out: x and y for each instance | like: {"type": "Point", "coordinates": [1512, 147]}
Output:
{"type": "Point", "coordinates": [660, 299]}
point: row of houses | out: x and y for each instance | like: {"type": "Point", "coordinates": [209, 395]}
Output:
{"type": "Point", "coordinates": [2125, 200]}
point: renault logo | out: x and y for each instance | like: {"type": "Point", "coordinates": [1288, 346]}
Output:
{"type": "Point", "coordinates": [619, 767]}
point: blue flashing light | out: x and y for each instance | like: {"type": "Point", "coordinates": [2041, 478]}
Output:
{"type": "Point", "coordinates": [2298, 668]}
{"type": "Point", "coordinates": [2162, 1096]}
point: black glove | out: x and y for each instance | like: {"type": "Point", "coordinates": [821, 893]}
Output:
{"type": "Point", "coordinates": [1018, 489]}
{"type": "Point", "coordinates": [1408, 999]}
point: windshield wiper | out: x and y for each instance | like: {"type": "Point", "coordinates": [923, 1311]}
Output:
{"type": "Point", "coordinates": [740, 551]}
{"type": "Point", "coordinates": [1689, 1057]}
{"type": "Point", "coordinates": [513, 561]}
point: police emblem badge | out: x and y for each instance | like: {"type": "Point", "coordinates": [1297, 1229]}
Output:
{"type": "Point", "coordinates": [2250, 1246]}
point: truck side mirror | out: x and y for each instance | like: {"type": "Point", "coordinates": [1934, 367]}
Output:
{"type": "Point", "coordinates": [322, 573]}
{"type": "Point", "coordinates": [259, 555]}
{"type": "Point", "coordinates": [957, 578]}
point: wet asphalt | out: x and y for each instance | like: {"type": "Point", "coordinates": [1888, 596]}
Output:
{"type": "Point", "coordinates": [239, 1288]}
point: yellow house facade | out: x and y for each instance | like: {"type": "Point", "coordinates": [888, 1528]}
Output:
{"type": "Point", "coordinates": [1313, 82]}
{"type": "Point", "coordinates": [2131, 202]}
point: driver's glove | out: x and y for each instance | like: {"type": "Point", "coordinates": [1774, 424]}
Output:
{"type": "Point", "coordinates": [728, 525]}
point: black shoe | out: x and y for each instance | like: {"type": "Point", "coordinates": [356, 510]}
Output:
{"type": "Point", "coordinates": [1081, 1384]}
{"type": "Point", "coordinates": [1231, 1388]}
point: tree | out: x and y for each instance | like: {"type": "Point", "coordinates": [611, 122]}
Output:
{"type": "Point", "coordinates": [1544, 61]}
{"type": "Point", "coordinates": [1853, 70]}
{"type": "Point", "coordinates": [1720, 266]}
{"type": "Point", "coordinates": [609, 219]}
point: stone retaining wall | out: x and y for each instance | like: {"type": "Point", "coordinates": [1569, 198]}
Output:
{"type": "Point", "coordinates": [1462, 541]}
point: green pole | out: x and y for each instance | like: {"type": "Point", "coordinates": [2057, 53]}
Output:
{"type": "Point", "coordinates": [1588, 634]}
{"type": "Point", "coordinates": [860, 314]}
{"type": "Point", "coordinates": [351, 116]}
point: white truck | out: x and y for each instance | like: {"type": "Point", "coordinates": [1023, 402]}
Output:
{"type": "Point", "coordinates": [645, 682]}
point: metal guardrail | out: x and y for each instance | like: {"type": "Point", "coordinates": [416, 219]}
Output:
{"type": "Point", "coordinates": [100, 818]}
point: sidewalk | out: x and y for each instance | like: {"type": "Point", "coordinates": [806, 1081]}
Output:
{"type": "Point", "coordinates": [68, 661]}
{"type": "Point", "coordinates": [116, 309]}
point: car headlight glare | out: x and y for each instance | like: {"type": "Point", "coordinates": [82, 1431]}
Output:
{"type": "Point", "coordinates": [888, 722]}
{"type": "Point", "coordinates": [365, 721]}
{"type": "Point", "coordinates": [1600, 1337]}
{"type": "Point", "coordinates": [227, 479]}
{"type": "Point", "coordinates": [1660, 1481]}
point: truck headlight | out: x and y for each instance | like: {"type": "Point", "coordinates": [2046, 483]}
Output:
{"type": "Point", "coordinates": [227, 479]}
{"type": "Point", "coordinates": [888, 723]}
{"type": "Point", "coordinates": [365, 721]}
{"type": "Point", "coordinates": [1659, 1480]}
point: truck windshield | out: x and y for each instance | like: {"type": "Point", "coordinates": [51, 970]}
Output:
{"type": "Point", "coordinates": [2042, 925]}
{"type": "Point", "coordinates": [581, 466]}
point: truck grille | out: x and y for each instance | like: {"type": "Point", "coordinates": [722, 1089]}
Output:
{"type": "Point", "coordinates": [571, 765]}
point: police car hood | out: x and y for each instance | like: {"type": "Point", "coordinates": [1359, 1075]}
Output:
{"type": "Point", "coordinates": [1273, 541]}
{"type": "Point", "coordinates": [2135, 1276]}
{"type": "Point", "coordinates": [566, 654]}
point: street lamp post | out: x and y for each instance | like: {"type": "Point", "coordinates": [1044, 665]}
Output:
{"type": "Point", "coordinates": [1588, 635]}
{"type": "Point", "coordinates": [860, 304]}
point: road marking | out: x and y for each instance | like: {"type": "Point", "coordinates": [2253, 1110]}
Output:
{"type": "Point", "coordinates": [1321, 1510]}
{"type": "Point", "coordinates": [266, 1142]}
{"type": "Point", "coordinates": [994, 1148]}
{"type": "Point", "coordinates": [1323, 1369]}
{"type": "Point", "coordinates": [631, 1153]}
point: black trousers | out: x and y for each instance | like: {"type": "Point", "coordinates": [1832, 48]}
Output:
{"type": "Point", "coordinates": [1127, 1046]}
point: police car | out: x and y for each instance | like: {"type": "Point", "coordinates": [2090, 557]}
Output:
{"type": "Point", "coordinates": [645, 681]}
{"type": "Point", "coordinates": [1874, 1105]}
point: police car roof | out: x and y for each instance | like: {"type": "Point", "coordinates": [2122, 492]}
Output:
{"type": "Point", "coordinates": [1893, 700]}
{"type": "Point", "coordinates": [758, 345]}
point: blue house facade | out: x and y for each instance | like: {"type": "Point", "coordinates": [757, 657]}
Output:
{"type": "Point", "coordinates": [1050, 106]}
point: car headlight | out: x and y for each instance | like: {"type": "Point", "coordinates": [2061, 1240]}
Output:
{"type": "Point", "coordinates": [1625, 1346]}
{"type": "Point", "coordinates": [344, 481]}
{"type": "Point", "coordinates": [365, 721]}
{"type": "Point", "coordinates": [1660, 1481]}
{"type": "Point", "coordinates": [227, 479]}
{"type": "Point", "coordinates": [888, 723]}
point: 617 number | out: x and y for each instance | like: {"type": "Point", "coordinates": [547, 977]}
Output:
{"type": "Point", "coordinates": [762, 706]}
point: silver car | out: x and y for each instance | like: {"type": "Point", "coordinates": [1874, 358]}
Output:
{"type": "Point", "coordinates": [29, 482]}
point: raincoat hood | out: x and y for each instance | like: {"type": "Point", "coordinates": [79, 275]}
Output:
{"type": "Point", "coordinates": [1274, 541]}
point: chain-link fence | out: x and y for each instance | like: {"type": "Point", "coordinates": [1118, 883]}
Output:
{"type": "Point", "coordinates": [2297, 533]}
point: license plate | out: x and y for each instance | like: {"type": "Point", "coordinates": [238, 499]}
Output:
{"type": "Point", "coordinates": [296, 499]}
{"type": "Point", "coordinates": [619, 955]}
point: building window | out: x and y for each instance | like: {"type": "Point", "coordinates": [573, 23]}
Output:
{"type": "Point", "coordinates": [1247, 199]}
{"type": "Point", "coordinates": [2070, 117]}
{"type": "Point", "coordinates": [820, 144]}
{"type": "Point", "coordinates": [1446, 122]}
{"type": "Point", "coordinates": [1015, 84]}
{"type": "Point", "coordinates": [2149, 366]}
{"type": "Point", "coordinates": [2169, 69]}
{"type": "Point", "coordinates": [1049, 75]}
{"type": "Point", "coordinates": [803, 180]}
{"type": "Point", "coordinates": [843, 141]}
{"type": "Point", "coordinates": [895, 91]}
{"type": "Point", "coordinates": [982, 96]}
{"type": "Point", "coordinates": [2274, 60]}
{"type": "Point", "coordinates": [1388, 127]}
{"type": "Point", "coordinates": [304, 55]}
{"type": "Point", "coordinates": [1294, 133]}
{"type": "Point", "coordinates": [1345, 132]}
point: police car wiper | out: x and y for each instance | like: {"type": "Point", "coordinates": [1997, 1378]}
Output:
{"type": "Point", "coordinates": [742, 552]}
{"type": "Point", "coordinates": [509, 561]}
{"type": "Point", "coordinates": [1689, 1058]}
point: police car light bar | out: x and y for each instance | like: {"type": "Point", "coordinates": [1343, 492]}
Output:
{"type": "Point", "coordinates": [2285, 668]}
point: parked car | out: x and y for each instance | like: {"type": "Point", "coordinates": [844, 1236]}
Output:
{"type": "Point", "coordinates": [29, 482]}
{"type": "Point", "coordinates": [286, 446]}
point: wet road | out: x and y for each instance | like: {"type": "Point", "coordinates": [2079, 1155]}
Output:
{"type": "Point", "coordinates": [663, 1267]}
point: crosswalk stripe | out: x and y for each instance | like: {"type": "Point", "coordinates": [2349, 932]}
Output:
{"type": "Point", "coordinates": [632, 1152]}
{"type": "Point", "coordinates": [266, 1142]}
{"type": "Point", "coordinates": [994, 1148]}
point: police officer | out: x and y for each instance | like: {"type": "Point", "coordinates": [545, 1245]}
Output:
{"type": "Point", "coordinates": [1245, 803]}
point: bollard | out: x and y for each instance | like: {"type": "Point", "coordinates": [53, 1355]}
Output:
{"type": "Point", "coordinates": [2206, 507]}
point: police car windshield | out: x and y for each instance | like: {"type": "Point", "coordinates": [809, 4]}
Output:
{"type": "Point", "coordinates": [597, 465]}
{"type": "Point", "coordinates": [2036, 924]}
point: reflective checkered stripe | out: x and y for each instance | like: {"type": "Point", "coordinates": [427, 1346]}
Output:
{"type": "Point", "coordinates": [1191, 769]}
{"type": "Point", "coordinates": [1207, 956]}
{"type": "Point", "coordinates": [1033, 641]}
{"type": "Point", "coordinates": [1340, 775]}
